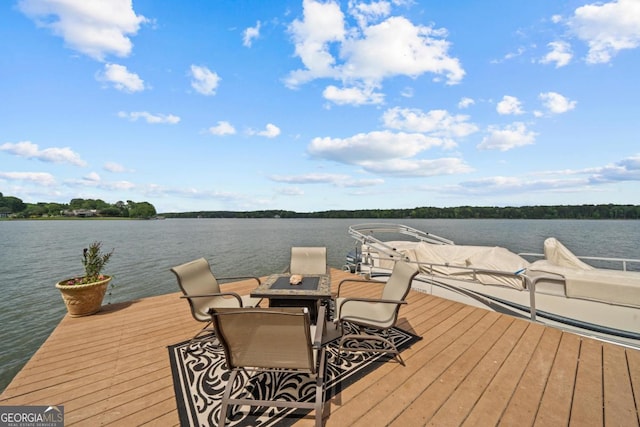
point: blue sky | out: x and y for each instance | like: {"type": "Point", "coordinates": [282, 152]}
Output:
{"type": "Point", "coordinates": [320, 105]}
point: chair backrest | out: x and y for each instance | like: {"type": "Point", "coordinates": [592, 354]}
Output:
{"type": "Point", "coordinates": [195, 278]}
{"type": "Point", "coordinates": [308, 260]}
{"type": "Point", "coordinates": [399, 283]}
{"type": "Point", "coordinates": [277, 338]}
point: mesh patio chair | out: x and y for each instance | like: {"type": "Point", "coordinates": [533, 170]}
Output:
{"type": "Point", "coordinates": [377, 313]}
{"type": "Point", "coordinates": [308, 260]}
{"type": "Point", "coordinates": [257, 340]}
{"type": "Point", "coordinates": [202, 290]}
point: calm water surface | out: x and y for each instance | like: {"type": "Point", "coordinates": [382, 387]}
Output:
{"type": "Point", "coordinates": [36, 254]}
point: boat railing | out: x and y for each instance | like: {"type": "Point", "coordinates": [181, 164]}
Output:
{"type": "Point", "coordinates": [623, 262]}
{"type": "Point", "coordinates": [364, 233]}
{"type": "Point", "coordinates": [428, 268]}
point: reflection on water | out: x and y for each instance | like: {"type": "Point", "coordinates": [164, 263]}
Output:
{"type": "Point", "coordinates": [36, 254]}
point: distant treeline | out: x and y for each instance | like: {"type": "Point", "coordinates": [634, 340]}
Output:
{"type": "Point", "coordinates": [13, 207]}
{"type": "Point", "coordinates": [461, 212]}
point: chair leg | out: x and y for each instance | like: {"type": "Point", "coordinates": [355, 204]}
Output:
{"type": "Point", "coordinates": [319, 404]}
{"type": "Point", "coordinates": [388, 346]}
{"type": "Point", "coordinates": [208, 328]}
{"type": "Point", "coordinates": [225, 399]}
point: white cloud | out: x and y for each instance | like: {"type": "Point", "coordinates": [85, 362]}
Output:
{"type": "Point", "coordinates": [204, 81]}
{"type": "Point", "coordinates": [387, 153]}
{"type": "Point", "coordinates": [311, 178]}
{"type": "Point", "coordinates": [322, 23]}
{"type": "Point", "coordinates": [557, 103]}
{"type": "Point", "coordinates": [352, 95]}
{"type": "Point", "coordinates": [352, 55]}
{"type": "Point", "coordinates": [407, 49]}
{"type": "Point", "coordinates": [41, 178]}
{"type": "Point", "coordinates": [434, 122]}
{"type": "Point", "coordinates": [625, 170]}
{"type": "Point", "coordinates": [270, 131]}
{"type": "Point", "coordinates": [92, 177]}
{"type": "Point", "coordinates": [95, 28]}
{"type": "Point", "coordinates": [30, 150]}
{"type": "Point", "coordinates": [560, 54]}
{"type": "Point", "coordinates": [507, 138]}
{"type": "Point", "coordinates": [337, 180]}
{"type": "Point", "coordinates": [365, 13]}
{"type": "Point", "coordinates": [150, 118]}
{"type": "Point", "coordinates": [250, 34]}
{"type": "Point", "coordinates": [222, 128]}
{"type": "Point", "coordinates": [418, 167]}
{"type": "Point", "coordinates": [114, 167]}
{"type": "Point", "coordinates": [372, 146]}
{"type": "Point", "coordinates": [465, 103]}
{"type": "Point", "coordinates": [607, 28]}
{"type": "Point", "coordinates": [121, 78]}
{"type": "Point", "coordinates": [509, 105]}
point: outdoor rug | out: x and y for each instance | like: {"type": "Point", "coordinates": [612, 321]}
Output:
{"type": "Point", "coordinates": [200, 377]}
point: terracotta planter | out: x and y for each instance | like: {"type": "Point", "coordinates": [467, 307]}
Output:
{"type": "Point", "coordinates": [83, 300]}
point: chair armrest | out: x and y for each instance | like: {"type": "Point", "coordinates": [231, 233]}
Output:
{"type": "Point", "coordinates": [317, 339]}
{"type": "Point", "coordinates": [371, 300]}
{"type": "Point", "coordinates": [357, 281]}
{"type": "Point", "coordinates": [240, 277]}
{"type": "Point", "coordinates": [220, 294]}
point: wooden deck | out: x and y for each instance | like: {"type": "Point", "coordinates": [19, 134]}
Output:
{"type": "Point", "coordinates": [472, 367]}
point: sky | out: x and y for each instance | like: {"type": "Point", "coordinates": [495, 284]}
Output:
{"type": "Point", "coordinates": [309, 105]}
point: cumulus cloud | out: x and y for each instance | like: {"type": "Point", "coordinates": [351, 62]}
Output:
{"type": "Point", "coordinates": [352, 95]}
{"type": "Point", "coordinates": [607, 28]}
{"type": "Point", "coordinates": [560, 54]}
{"type": "Point", "coordinates": [41, 178]}
{"type": "Point", "coordinates": [121, 78]}
{"type": "Point", "coordinates": [556, 103]}
{"type": "Point", "coordinates": [329, 48]}
{"type": "Point", "coordinates": [30, 150]}
{"type": "Point", "coordinates": [150, 118]}
{"type": "Point", "coordinates": [507, 138]}
{"type": "Point", "coordinates": [509, 105]}
{"type": "Point", "coordinates": [387, 152]}
{"type": "Point", "coordinates": [203, 80]}
{"type": "Point", "coordinates": [372, 146]}
{"type": "Point", "coordinates": [466, 103]}
{"type": "Point", "coordinates": [222, 128]}
{"type": "Point", "coordinates": [270, 131]}
{"type": "Point", "coordinates": [625, 170]}
{"type": "Point", "coordinates": [365, 13]}
{"type": "Point", "coordinates": [250, 34]}
{"type": "Point", "coordinates": [95, 28]}
{"type": "Point", "coordinates": [114, 167]}
{"type": "Point", "coordinates": [434, 122]}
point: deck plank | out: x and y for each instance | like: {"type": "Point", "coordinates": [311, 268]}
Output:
{"type": "Point", "coordinates": [588, 399]}
{"type": "Point", "coordinates": [619, 405]}
{"type": "Point", "coordinates": [471, 366]}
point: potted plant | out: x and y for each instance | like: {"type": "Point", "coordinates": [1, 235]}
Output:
{"type": "Point", "coordinates": [83, 295]}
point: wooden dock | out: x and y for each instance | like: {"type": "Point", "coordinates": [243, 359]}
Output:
{"type": "Point", "coordinates": [472, 367]}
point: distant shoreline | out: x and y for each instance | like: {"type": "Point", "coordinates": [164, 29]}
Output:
{"type": "Point", "coordinates": [608, 212]}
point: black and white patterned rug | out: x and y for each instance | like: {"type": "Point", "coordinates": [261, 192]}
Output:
{"type": "Point", "coordinates": [200, 377]}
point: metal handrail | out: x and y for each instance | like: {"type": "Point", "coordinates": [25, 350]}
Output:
{"type": "Point", "coordinates": [624, 261]}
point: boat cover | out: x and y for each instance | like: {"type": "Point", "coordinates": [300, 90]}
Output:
{"type": "Point", "coordinates": [587, 282]}
{"type": "Point", "coordinates": [491, 261]}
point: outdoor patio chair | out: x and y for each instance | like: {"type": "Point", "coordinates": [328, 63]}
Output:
{"type": "Point", "coordinates": [270, 340]}
{"type": "Point", "coordinates": [377, 313]}
{"type": "Point", "coordinates": [202, 290]}
{"type": "Point", "coordinates": [308, 260]}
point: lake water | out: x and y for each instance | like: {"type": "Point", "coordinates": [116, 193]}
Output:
{"type": "Point", "coordinates": [34, 255]}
